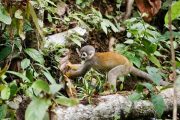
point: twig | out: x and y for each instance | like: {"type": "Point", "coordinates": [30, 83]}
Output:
{"type": "Point", "coordinates": [173, 63]}
{"type": "Point", "coordinates": [129, 8]}
{"type": "Point", "coordinates": [112, 42]}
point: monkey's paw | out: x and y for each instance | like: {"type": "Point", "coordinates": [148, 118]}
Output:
{"type": "Point", "coordinates": [68, 74]}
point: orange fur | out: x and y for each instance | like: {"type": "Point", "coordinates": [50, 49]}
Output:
{"type": "Point", "coordinates": [108, 60]}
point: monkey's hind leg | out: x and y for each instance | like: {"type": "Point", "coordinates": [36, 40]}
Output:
{"type": "Point", "coordinates": [120, 70]}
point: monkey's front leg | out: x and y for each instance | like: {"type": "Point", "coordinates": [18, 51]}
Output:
{"type": "Point", "coordinates": [115, 72]}
{"type": "Point", "coordinates": [74, 66]}
{"type": "Point", "coordinates": [82, 69]}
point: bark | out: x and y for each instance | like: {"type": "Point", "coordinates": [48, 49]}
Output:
{"type": "Point", "coordinates": [111, 106]}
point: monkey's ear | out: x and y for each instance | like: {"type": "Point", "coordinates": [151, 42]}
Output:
{"type": "Point", "coordinates": [91, 53]}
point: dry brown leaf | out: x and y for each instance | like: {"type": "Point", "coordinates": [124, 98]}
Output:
{"type": "Point", "coordinates": [70, 89]}
{"type": "Point", "coordinates": [171, 77]}
{"type": "Point", "coordinates": [148, 7]}
{"type": "Point", "coordinates": [61, 8]}
{"type": "Point", "coordinates": [63, 67]}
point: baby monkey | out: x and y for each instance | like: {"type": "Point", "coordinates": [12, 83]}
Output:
{"type": "Point", "coordinates": [113, 63]}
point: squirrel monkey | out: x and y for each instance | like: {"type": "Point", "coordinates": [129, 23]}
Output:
{"type": "Point", "coordinates": [111, 62]}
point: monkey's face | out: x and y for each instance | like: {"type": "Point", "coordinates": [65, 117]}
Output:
{"type": "Point", "coordinates": [84, 56]}
{"type": "Point", "coordinates": [87, 52]}
{"type": "Point", "coordinates": [87, 55]}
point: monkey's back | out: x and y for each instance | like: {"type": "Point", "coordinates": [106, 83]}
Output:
{"type": "Point", "coordinates": [105, 61]}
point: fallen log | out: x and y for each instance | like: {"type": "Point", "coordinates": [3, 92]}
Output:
{"type": "Point", "coordinates": [116, 105]}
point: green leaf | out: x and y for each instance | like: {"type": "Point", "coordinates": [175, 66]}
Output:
{"type": "Point", "coordinates": [106, 23]}
{"type": "Point", "coordinates": [178, 63]}
{"type": "Point", "coordinates": [175, 12]}
{"type": "Point", "coordinates": [129, 41]}
{"type": "Point", "coordinates": [136, 60]}
{"type": "Point", "coordinates": [119, 1]}
{"type": "Point", "coordinates": [166, 35]}
{"type": "Point", "coordinates": [35, 55]}
{"type": "Point", "coordinates": [159, 104]}
{"type": "Point", "coordinates": [35, 19]}
{"type": "Point", "coordinates": [129, 55]}
{"type": "Point", "coordinates": [133, 58]}
{"type": "Point", "coordinates": [54, 88]}
{"type": "Point", "coordinates": [129, 35]}
{"type": "Point", "coordinates": [2, 86]}
{"type": "Point", "coordinates": [3, 111]}
{"type": "Point", "coordinates": [24, 78]}
{"type": "Point", "coordinates": [104, 26]}
{"type": "Point", "coordinates": [148, 86]}
{"type": "Point", "coordinates": [49, 77]}
{"type": "Point", "coordinates": [76, 38]}
{"type": "Point", "coordinates": [158, 54]}
{"type": "Point", "coordinates": [121, 87]}
{"type": "Point", "coordinates": [13, 89]}
{"type": "Point", "coordinates": [29, 74]}
{"type": "Point", "coordinates": [41, 85]}
{"type": "Point", "coordinates": [155, 74]}
{"type": "Point", "coordinates": [5, 52]}
{"type": "Point", "coordinates": [49, 18]}
{"type": "Point", "coordinates": [76, 41]}
{"type": "Point", "coordinates": [5, 17]}
{"type": "Point", "coordinates": [25, 63]}
{"type": "Point", "coordinates": [3, 70]}
{"type": "Point", "coordinates": [36, 110]}
{"type": "Point", "coordinates": [67, 101]}
{"type": "Point", "coordinates": [18, 44]}
{"type": "Point", "coordinates": [152, 48]}
{"type": "Point", "coordinates": [139, 88]}
{"type": "Point", "coordinates": [135, 96]}
{"type": "Point", "coordinates": [5, 93]}
{"type": "Point", "coordinates": [50, 2]}
{"type": "Point", "coordinates": [113, 27]}
{"type": "Point", "coordinates": [154, 60]}
{"type": "Point", "coordinates": [79, 2]}
{"type": "Point", "coordinates": [121, 48]}
{"type": "Point", "coordinates": [18, 14]}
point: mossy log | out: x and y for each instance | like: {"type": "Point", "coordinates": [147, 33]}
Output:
{"type": "Point", "coordinates": [115, 106]}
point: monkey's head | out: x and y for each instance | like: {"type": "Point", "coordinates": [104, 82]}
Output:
{"type": "Point", "coordinates": [87, 52]}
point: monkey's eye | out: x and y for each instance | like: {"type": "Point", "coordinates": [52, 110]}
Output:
{"type": "Point", "coordinates": [83, 55]}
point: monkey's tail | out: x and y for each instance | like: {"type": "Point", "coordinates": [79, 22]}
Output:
{"type": "Point", "coordinates": [145, 75]}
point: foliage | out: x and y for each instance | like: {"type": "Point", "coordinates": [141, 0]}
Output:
{"type": "Point", "coordinates": [164, 46]}
{"type": "Point", "coordinates": [141, 40]}
{"type": "Point", "coordinates": [175, 12]}
{"type": "Point", "coordinates": [34, 73]}
{"type": "Point", "coordinates": [92, 83]}
{"type": "Point", "coordinates": [141, 93]}
{"type": "Point", "coordinates": [145, 42]}
{"type": "Point", "coordinates": [34, 79]}
{"type": "Point", "coordinates": [37, 109]}
{"type": "Point", "coordinates": [84, 3]}
{"type": "Point", "coordinates": [5, 17]}
{"type": "Point", "coordinates": [94, 20]}
{"type": "Point", "coordinates": [159, 104]}
{"type": "Point", "coordinates": [35, 55]}
{"type": "Point", "coordinates": [77, 39]}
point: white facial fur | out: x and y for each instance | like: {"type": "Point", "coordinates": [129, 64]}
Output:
{"type": "Point", "coordinates": [87, 52]}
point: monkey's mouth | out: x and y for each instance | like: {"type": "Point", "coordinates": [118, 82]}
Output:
{"type": "Point", "coordinates": [82, 58]}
